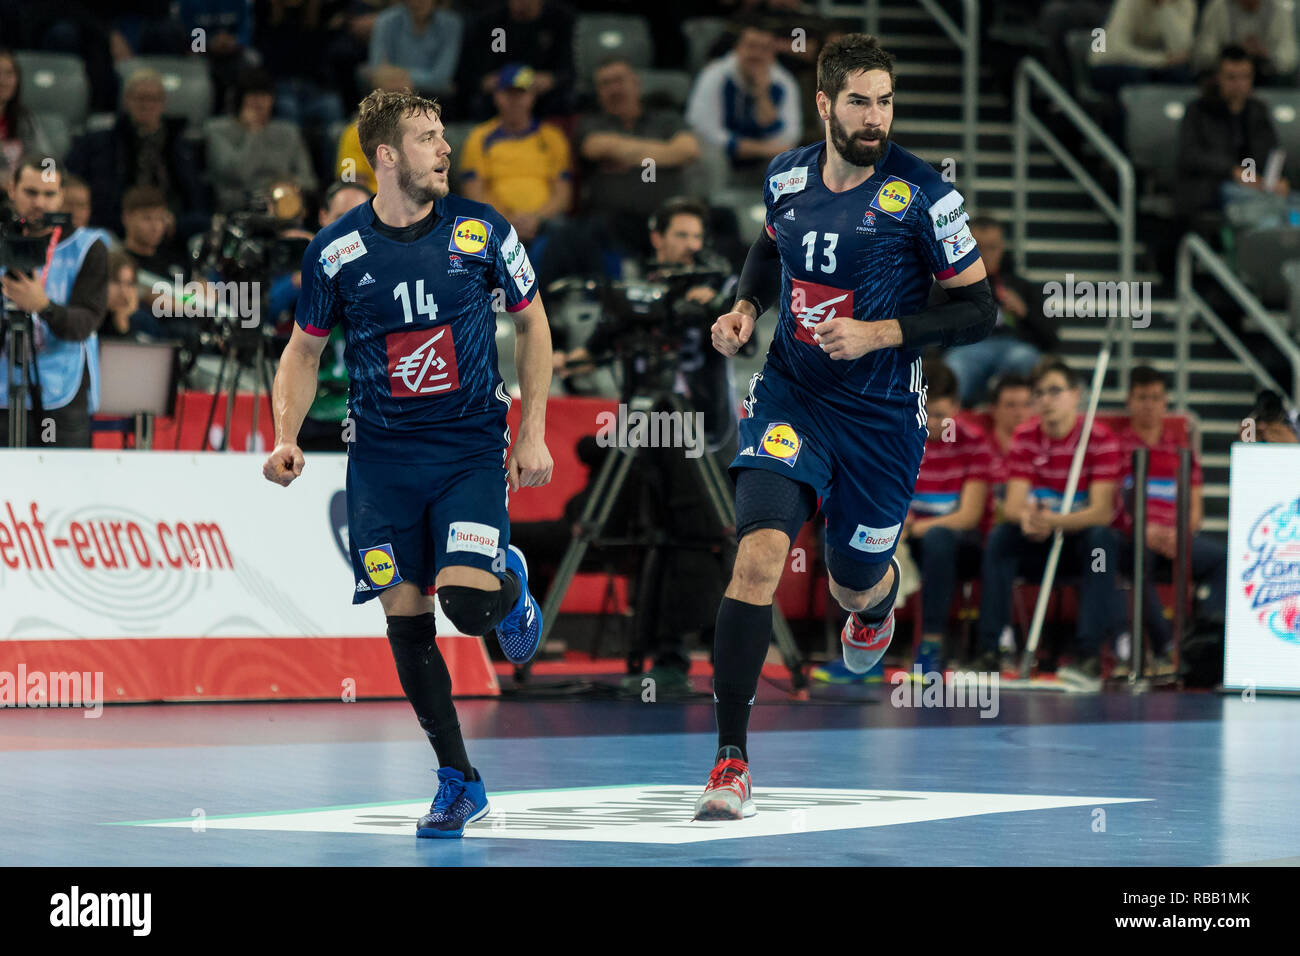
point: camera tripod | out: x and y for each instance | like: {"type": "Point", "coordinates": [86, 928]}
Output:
{"type": "Point", "coordinates": [235, 358]}
{"type": "Point", "coordinates": [605, 493]}
{"type": "Point", "coordinates": [23, 377]}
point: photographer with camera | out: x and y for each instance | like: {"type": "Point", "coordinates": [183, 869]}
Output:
{"type": "Point", "coordinates": [55, 284]}
{"type": "Point", "coordinates": [656, 331]}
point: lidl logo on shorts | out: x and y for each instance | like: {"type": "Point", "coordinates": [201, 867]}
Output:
{"type": "Point", "coordinates": [474, 537]}
{"type": "Point", "coordinates": [874, 540]}
{"type": "Point", "coordinates": [893, 198]}
{"type": "Point", "coordinates": [780, 441]}
{"type": "Point", "coordinates": [470, 236]}
{"type": "Point", "coordinates": [380, 565]}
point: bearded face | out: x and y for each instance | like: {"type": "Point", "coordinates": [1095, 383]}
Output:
{"type": "Point", "coordinates": [856, 147]}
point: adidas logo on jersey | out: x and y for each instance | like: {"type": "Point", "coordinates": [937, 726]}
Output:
{"type": "Point", "coordinates": [366, 279]}
{"type": "Point", "coordinates": [789, 214]}
{"type": "Point", "coordinates": [747, 451]}
{"type": "Point", "coordinates": [362, 585]}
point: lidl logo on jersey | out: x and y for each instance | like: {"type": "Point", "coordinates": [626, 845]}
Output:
{"type": "Point", "coordinates": [470, 236]}
{"type": "Point", "coordinates": [341, 250]}
{"type": "Point", "coordinates": [874, 540]}
{"type": "Point", "coordinates": [422, 363]}
{"type": "Point", "coordinates": [781, 442]}
{"type": "Point", "coordinates": [380, 565]}
{"type": "Point", "coordinates": [812, 304]}
{"type": "Point", "coordinates": [474, 537]}
{"type": "Point", "coordinates": [790, 181]}
{"type": "Point", "coordinates": [894, 197]}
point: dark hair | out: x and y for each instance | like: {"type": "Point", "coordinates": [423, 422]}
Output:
{"type": "Point", "coordinates": [610, 60]}
{"type": "Point", "coordinates": [1053, 363]}
{"type": "Point", "coordinates": [1010, 380]}
{"type": "Point", "coordinates": [1234, 53]}
{"type": "Point", "coordinates": [36, 162]}
{"type": "Point", "coordinates": [1144, 375]}
{"type": "Point", "coordinates": [338, 186]}
{"type": "Point", "coordinates": [760, 22]}
{"type": "Point", "coordinates": [253, 80]}
{"type": "Point", "coordinates": [986, 222]}
{"type": "Point", "coordinates": [849, 54]}
{"type": "Point", "coordinates": [142, 197]}
{"type": "Point", "coordinates": [940, 381]}
{"type": "Point", "coordinates": [1269, 410]}
{"type": "Point", "coordinates": [678, 206]}
{"type": "Point", "coordinates": [13, 110]}
{"type": "Point", "coordinates": [379, 120]}
{"type": "Point", "coordinates": [117, 259]}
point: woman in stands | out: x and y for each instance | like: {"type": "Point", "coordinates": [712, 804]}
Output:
{"type": "Point", "coordinates": [20, 130]}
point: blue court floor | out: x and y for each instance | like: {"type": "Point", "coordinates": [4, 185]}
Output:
{"type": "Point", "coordinates": [1112, 779]}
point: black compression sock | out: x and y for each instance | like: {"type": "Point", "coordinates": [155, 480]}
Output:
{"type": "Point", "coordinates": [427, 685]}
{"type": "Point", "coordinates": [876, 614]}
{"type": "Point", "coordinates": [741, 638]}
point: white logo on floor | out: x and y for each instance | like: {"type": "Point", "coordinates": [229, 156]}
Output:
{"type": "Point", "coordinates": [658, 814]}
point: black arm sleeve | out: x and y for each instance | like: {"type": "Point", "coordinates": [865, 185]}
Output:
{"type": "Point", "coordinates": [87, 302]}
{"type": "Point", "coordinates": [968, 316]}
{"type": "Point", "coordinates": [760, 279]}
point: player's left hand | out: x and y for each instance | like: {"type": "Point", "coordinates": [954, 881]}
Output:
{"type": "Point", "coordinates": [529, 465]}
{"type": "Point", "coordinates": [845, 338]}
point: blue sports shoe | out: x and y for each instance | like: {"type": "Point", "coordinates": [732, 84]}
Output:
{"type": "Point", "coordinates": [457, 802]}
{"type": "Point", "coordinates": [520, 631]}
{"type": "Point", "coordinates": [835, 672]}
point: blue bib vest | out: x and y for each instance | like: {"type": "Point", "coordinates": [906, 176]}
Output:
{"type": "Point", "coordinates": [62, 363]}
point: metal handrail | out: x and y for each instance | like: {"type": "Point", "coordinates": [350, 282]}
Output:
{"type": "Point", "coordinates": [1194, 251]}
{"type": "Point", "coordinates": [967, 39]}
{"type": "Point", "coordinates": [1122, 214]}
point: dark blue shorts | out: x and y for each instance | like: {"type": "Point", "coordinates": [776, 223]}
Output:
{"type": "Point", "coordinates": [863, 469]}
{"type": "Point", "coordinates": [408, 520]}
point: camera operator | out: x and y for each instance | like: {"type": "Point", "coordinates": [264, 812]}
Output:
{"type": "Point", "coordinates": [68, 298]}
{"type": "Point", "coordinates": [677, 585]}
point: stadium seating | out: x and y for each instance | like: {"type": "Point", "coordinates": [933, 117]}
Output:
{"type": "Point", "coordinates": [1153, 113]}
{"type": "Point", "coordinates": [1284, 105]}
{"type": "Point", "coordinates": [186, 80]}
{"type": "Point", "coordinates": [669, 89]}
{"type": "Point", "coordinates": [55, 83]}
{"type": "Point", "coordinates": [701, 34]}
{"type": "Point", "coordinates": [1078, 44]}
{"type": "Point", "coordinates": [598, 35]}
{"type": "Point", "coordinates": [1261, 254]}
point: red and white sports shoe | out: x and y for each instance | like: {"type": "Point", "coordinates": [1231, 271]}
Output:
{"type": "Point", "coordinates": [728, 794]}
{"type": "Point", "coordinates": [863, 646]}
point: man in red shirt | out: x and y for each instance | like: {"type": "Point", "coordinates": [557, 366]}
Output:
{"type": "Point", "coordinates": [1038, 467]}
{"type": "Point", "coordinates": [947, 506]}
{"type": "Point", "coordinates": [1010, 408]}
{"type": "Point", "coordinates": [1147, 404]}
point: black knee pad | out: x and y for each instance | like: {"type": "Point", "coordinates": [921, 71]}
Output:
{"type": "Point", "coordinates": [471, 611]}
{"type": "Point", "coordinates": [852, 574]}
{"type": "Point", "coordinates": [765, 499]}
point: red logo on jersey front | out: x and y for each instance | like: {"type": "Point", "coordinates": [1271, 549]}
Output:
{"type": "Point", "coordinates": [812, 304]}
{"type": "Point", "coordinates": [422, 363]}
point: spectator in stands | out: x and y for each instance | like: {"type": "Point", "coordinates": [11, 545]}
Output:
{"type": "Point", "coordinates": [76, 200]}
{"type": "Point", "coordinates": [1038, 467]}
{"type": "Point", "coordinates": [746, 104]}
{"type": "Point", "coordinates": [1023, 331]}
{"type": "Point", "coordinates": [141, 148]}
{"type": "Point", "coordinates": [1272, 422]}
{"type": "Point", "coordinates": [422, 38]}
{"type": "Point", "coordinates": [1264, 29]}
{"type": "Point", "coordinates": [948, 505]}
{"type": "Point", "coordinates": [1220, 131]}
{"type": "Point", "coordinates": [227, 33]}
{"type": "Point", "coordinates": [67, 300]}
{"type": "Point", "coordinates": [536, 32]}
{"type": "Point", "coordinates": [520, 165]}
{"type": "Point", "coordinates": [126, 317]}
{"type": "Point", "coordinates": [1146, 41]}
{"type": "Point", "coordinates": [1057, 19]}
{"type": "Point", "coordinates": [1009, 408]}
{"type": "Point", "coordinates": [615, 143]}
{"type": "Point", "coordinates": [1148, 403]}
{"type": "Point", "coordinates": [20, 129]}
{"type": "Point", "coordinates": [247, 151]}
{"type": "Point", "coordinates": [146, 223]}
{"type": "Point", "coordinates": [348, 28]}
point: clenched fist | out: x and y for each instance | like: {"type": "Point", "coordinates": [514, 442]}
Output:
{"type": "Point", "coordinates": [283, 465]}
{"type": "Point", "coordinates": [731, 331]}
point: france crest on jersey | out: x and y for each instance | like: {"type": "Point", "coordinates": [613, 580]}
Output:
{"type": "Point", "coordinates": [871, 252]}
{"type": "Point", "coordinates": [419, 322]}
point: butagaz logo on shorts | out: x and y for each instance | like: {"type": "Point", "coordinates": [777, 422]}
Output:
{"type": "Point", "coordinates": [874, 540]}
{"type": "Point", "coordinates": [474, 537]}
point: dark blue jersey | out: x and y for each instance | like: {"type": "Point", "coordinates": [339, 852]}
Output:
{"type": "Point", "coordinates": [871, 252]}
{"type": "Point", "coordinates": [419, 322]}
